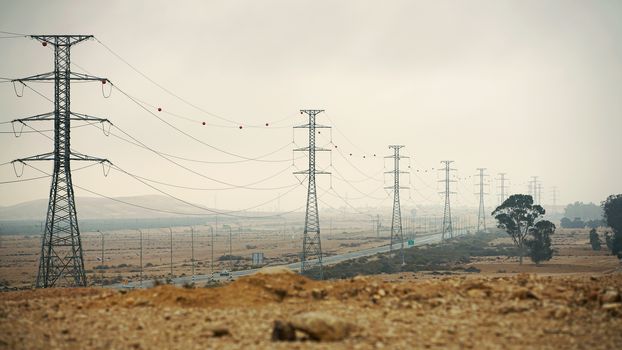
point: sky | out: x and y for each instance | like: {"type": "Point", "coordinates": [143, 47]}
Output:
{"type": "Point", "coordinates": [527, 88]}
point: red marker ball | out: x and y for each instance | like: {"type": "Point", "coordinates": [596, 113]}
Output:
{"type": "Point", "coordinates": [203, 123]}
{"type": "Point", "coordinates": [159, 109]}
{"type": "Point", "coordinates": [44, 43]}
{"type": "Point", "coordinates": [240, 126]}
{"type": "Point", "coordinates": [266, 124]}
{"type": "Point", "coordinates": [335, 146]}
{"type": "Point", "coordinates": [350, 153]}
{"type": "Point", "coordinates": [103, 81]}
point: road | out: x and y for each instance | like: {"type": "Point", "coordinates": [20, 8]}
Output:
{"type": "Point", "coordinates": [327, 260]}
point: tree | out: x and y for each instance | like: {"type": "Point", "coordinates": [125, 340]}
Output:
{"type": "Point", "coordinates": [576, 223]}
{"type": "Point", "coordinates": [517, 215]}
{"type": "Point", "coordinates": [609, 241]}
{"type": "Point", "coordinates": [594, 239]}
{"type": "Point", "coordinates": [612, 212]}
{"type": "Point", "coordinates": [539, 242]}
{"type": "Point", "coordinates": [585, 211]}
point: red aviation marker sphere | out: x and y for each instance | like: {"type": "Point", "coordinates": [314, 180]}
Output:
{"type": "Point", "coordinates": [44, 43]}
{"type": "Point", "coordinates": [159, 109]}
{"type": "Point", "coordinates": [103, 81]}
{"type": "Point", "coordinates": [240, 126]}
{"type": "Point", "coordinates": [203, 123]}
{"type": "Point", "coordinates": [266, 124]}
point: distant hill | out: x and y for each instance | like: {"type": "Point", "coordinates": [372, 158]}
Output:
{"type": "Point", "coordinates": [102, 208]}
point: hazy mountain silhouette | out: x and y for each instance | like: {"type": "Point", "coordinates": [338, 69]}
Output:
{"type": "Point", "coordinates": [102, 208]}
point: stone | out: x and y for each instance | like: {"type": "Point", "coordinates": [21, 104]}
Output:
{"type": "Point", "coordinates": [220, 332]}
{"type": "Point", "coordinates": [610, 296]}
{"type": "Point", "coordinates": [283, 331]}
{"type": "Point", "coordinates": [525, 293]}
{"type": "Point", "coordinates": [319, 294]}
{"type": "Point", "coordinates": [321, 326]}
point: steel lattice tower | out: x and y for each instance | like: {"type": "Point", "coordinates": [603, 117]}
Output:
{"type": "Point", "coordinates": [397, 235]}
{"type": "Point", "coordinates": [502, 187]}
{"type": "Point", "coordinates": [481, 215]}
{"type": "Point", "coordinates": [61, 262]}
{"type": "Point", "coordinates": [533, 188]}
{"type": "Point", "coordinates": [447, 229]}
{"type": "Point", "coordinates": [311, 261]}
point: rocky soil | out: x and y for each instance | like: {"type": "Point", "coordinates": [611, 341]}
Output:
{"type": "Point", "coordinates": [280, 310]}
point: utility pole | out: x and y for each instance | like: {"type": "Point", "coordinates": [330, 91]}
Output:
{"type": "Point", "coordinates": [170, 229]}
{"type": "Point", "coordinates": [141, 257]}
{"type": "Point", "coordinates": [397, 235]}
{"type": "Point", "coordinates": [192, 250]}
{"type": "Point", "coordinates": [211, 229]}
{"type": "Point", "coordinates": [447, 229]}
{"type": "Point", "coordinates": [230, 250]}
{"type": "Point", "coordinates": [61, 262]}
{"type": "Point", "coordinates": [311, 243]}
{"type": "Point", "coordinates": [102, 264]}
{"type": "Point", "coordinates": [481, 215]}
{"type": "Point", "coordinates": [502, 178]}
{"type": "Point", "coordinates": [378, 225]}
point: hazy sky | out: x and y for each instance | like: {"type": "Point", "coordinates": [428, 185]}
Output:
{"type": "Point", "coordinates": [522, 87]}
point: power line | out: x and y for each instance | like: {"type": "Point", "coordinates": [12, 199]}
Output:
{"type": "Point", "coordinates": [184, 132]}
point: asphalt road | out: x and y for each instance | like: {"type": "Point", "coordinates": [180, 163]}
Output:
{"type": "Point", "coordinates": [327, 260]}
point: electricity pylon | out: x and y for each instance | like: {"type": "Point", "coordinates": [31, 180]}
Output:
{"type": "Point", "coordinates": [447, 229]}
{"type": "Point", "coordinates": [502, 187]}
{"type": "Point", "coordinates": [554, 193]}
{"type": "Point", "coordinates": [481, 215]}
{"type": "Point", "coordinates": [533, 189]}
{"type": "Point", "coordinates": [397, 235]}
{"type": "Point", "coordinates": [61, 262]}
{"type": "Point", "coordinates": [311, 243]}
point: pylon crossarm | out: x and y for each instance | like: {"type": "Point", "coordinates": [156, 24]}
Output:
{"type": "Point", "coordinates": [83, 157]}
{"type": "Point", "coordinates": [38, 117]}
{"type": "Point", "coordinates": [82, 76]}
{"type": "Point", "coordinates": [45, 156]}
{"type": "Point", "coordinates": [317, 126]}
{"type": "Point", "coordinates": [65, 39]}
{"type": "Point", "coordinates": [85, 117]}
{"type": "Point", "coordinates": [38, 77]}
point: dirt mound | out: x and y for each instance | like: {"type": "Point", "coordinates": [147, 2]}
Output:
{"type": "Point", "coordinates": [251, 290]}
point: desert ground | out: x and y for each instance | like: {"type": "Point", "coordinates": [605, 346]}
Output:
{"type": "Point", "coordinates": [572, 301]}
{"type": "Point", "coordinates": [280, 241]}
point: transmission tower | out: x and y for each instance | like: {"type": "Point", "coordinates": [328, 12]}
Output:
{"type": "Point", "coordinates": [311, 262]}
{"type": "Point", "coordinates": [397, 235]}
{"type": "Point", "coordinates": [481, 215]}
{"type": "Point", "coordinates": [61, 262]}
{"type": "Point", "coordinates": [554, 193]}
{"type": "Point", "coordinates": [533, 185]}
{"type": "Point", "coordinates": [502, 187]}
{"type": "Point", "coordinates": [447, 228]}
